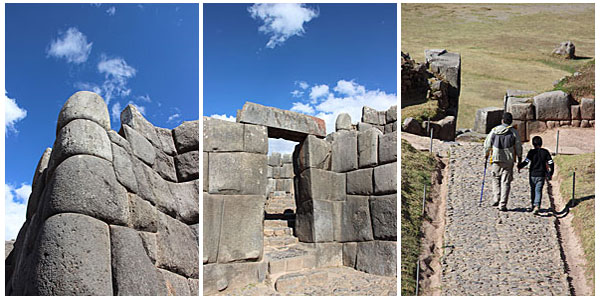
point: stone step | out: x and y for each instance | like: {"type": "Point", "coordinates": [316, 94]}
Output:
{"type": "Point", "coordinates": [276, 241]}
{"type": "Point", "coordinates": [278, 231]}
{"type": "Point", "coordinates": [290, 259]}
{"type": "Point", "coordinates": [276, 223]}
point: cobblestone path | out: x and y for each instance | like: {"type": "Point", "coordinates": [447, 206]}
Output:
{"type": "Point", "coordinates": [489, 252]}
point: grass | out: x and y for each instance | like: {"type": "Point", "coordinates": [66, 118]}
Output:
{"type": "Point", "coordinates": [583, 213]}
{"type": "Point", "coordinates": [422, 111]}
{"type": "Point", "coordinates": [497, 53]}
{"type": "Point", "coordinates": [417, 168]}
{"type": "Point", "coordinates": [581, 86]}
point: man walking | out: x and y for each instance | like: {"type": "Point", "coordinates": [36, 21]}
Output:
{"type": "Point", "coordinates": [504, 144]}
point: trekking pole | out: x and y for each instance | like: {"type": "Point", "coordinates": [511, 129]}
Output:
{"type": "Point", "coordinates": [483, 182]}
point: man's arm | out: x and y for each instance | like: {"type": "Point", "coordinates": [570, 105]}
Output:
{"type": "Point", "coordinates": [487, 145]}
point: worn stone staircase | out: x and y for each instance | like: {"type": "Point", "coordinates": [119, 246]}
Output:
{"type": "Point", "coordinates": [283, 252]}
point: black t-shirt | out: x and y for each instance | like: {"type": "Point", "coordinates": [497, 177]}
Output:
{"type": "Point", "coordinates": [541, 163]}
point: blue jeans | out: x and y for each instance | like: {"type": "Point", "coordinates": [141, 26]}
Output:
{"type": "Point", "coordinates": [536, 184]}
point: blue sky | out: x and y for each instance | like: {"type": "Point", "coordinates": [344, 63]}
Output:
{"type": "Point", "coordinates": [317, 59]}
{"type": "Point", "coordinates": [128, 53]}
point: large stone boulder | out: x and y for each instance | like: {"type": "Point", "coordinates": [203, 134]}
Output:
{"type": "Point", "coordinates": [588, 109]}
{"type": "Point", "coordinates": [565, 50]}
{"type": "Point", "coordinates": [84, 105]}
{"type": "Point", "coordinates": [487, 118]}
{"type": "Point", "coordinates": [554, 105]}
{"type": "Point", "coordinates": [447, 65]}
{"type": "Point", "coordinates": [411, 125]}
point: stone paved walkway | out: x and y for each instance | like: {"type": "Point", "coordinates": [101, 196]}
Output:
{"type": "Point", "coordinates": [335, 281]}
{"type": "Point", "coordinates": [488, 252]}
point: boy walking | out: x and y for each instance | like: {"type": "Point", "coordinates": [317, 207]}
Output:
{"type": "Point", "coordinates": [541, 167]}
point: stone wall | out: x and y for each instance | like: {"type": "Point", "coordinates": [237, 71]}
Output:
{"type": "Point", "coordinates": [443, 86]}
{"type": "Point", "coordinates": [234, 196]}
{"type": "Point", "coordinates": [344, 186]}
{"type": "Point", "coordinates": [536, 114]}
{"type": "Point", "coordinates": [280, 175]}
{"type": "Point", "coordinates": [346, 192]}
{"type": "Point", "coordinates": [110, 213]}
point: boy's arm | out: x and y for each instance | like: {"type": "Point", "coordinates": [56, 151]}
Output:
{"type": "Point", "coordinates": [525, 162]}
{"type": "Point", "coordinates": [550, 166]}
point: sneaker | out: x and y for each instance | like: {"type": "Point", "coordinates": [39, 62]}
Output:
{"type": "Point", "coordinates": [495, 204]}
{"type": "Point", "coordinates": [503, 209]}
{"type": "Point", "coordinates": [536, 209]}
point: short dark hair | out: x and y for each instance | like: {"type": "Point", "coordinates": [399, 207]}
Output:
{"type": "Point", "coordinates": [507, 118]}
{"type": "Point", "coordinates": [537, 141]}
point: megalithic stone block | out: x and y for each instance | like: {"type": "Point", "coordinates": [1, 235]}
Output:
{"type": "Point", "coordinates": [222, 135]}
{"type": "Point", "coordinates": [487, 118]}
{"type": "Point", "coordinates": [360, 181]}
{"type": "Point", "coordinates": [74, 179]}
{"type": "Point", "coordinates": [588, 108]}
{"type": "Point", "coordinates": [377, 257]}
{"type": "Point", "coordinates": [38, 183]}
{"type": "Point", "coordinates": [80, 137]}
{"type": "Point", "coordinates": [275, 159]}
{"type": "Point", "coordinates": [124, 168]}
{"type": "Point", "coordinates": [242, 228]}
{"type": "Point", "coordinates": [177, 247]}
{"type": "Point", "coordinates": [133, 273]}
{"type": "Point", "coordinates": [312, 153]}
{"type": "Point", "coordinates": [282, 123]}
{"type": "Point", "coordinates": [66, 239]}
{"type": "Point", "coordinates": [141, 147]}
{"type": "Point", "coordinates": [166, 141]}
{"type": "Point", "coordinates": [134, 119]}
{"type": "Point", "coordinates": [187, 166]}
{"type": "Point", "coordinates": [212, 214]}
{"type": "Point", "coordinates": [448, 65]}
{"type": "Point", "coordinates": [315, 221]}
{"type": "Point", "coordinates": [391, 115]}
{"type": "Point", "coordinates": [186, 136]}
{"type": "Point", "coordinates": [84, 105]}
{"type": "Point", "coordinates": [344, 151]}
{"type": "Point", "coordinates": [237, 173]}
{"type": "Point", "coordinates": [317, 184]}
{"type": "Point", "coordinates": [367, 147]}
{"type": "Point", "coordinates": [383, 210]}
{"type": "Point", "coordinates": [385, 178]}
{"type": "Point", "coordinates": [255, 139]}
{"type": "Point", "coordinates": [388, 148]}
{"type": "Point", "coordinates": [205, 171]}
{"type": "Point", "coordinates": [356, 219]}
{"type": "Point", "coordinates": [552, 105]}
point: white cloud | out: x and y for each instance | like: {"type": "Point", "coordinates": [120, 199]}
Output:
{"type": "Point", "coordinates": [12, 114]}
{"type": "Point", "coordinates": [145, 98]}
{"type": "Point", "coordinates": [281, 20]}
{"type": "Point", "coordinates": [302, 108]}
{"type": "Point", "coordinates": [111, 11]}
{"type": "Point", "coordinates": [116, 73]}
{"type": "Point", "coordinates": [349, 88]}
{"type": "Point", "coordinates": [88, 87]}
{"type": "Point", "coordinates": [223, 117]}
{"type": "Point", "coordinates": [115, 111]}
{"type": "Point", "coordinates": [319, 91]}
{"type": "Point", "coordinates": [297, 93]}
{"type": "Point", "coordinates": [15, 206]}
{"type": "Point", "coordinates": [71, 45]}
{"type": "Point", "coordinates": [348, 97]}
{"type": "Point", "coordinates": [281, 146]}
{"type": "Point", "coordinates": [173, 117]}
{"type": "Point", "coordinates": [302, 84]}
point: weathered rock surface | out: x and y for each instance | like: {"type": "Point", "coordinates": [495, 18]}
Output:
{"type": "Point", "coordinates": [343, 122]}
{"type": "Point", "coordinates": [250, 176]}
{"type": "Point", "coordinates": [80, 137]}
{"type": "Point", "coordinates": [552, 105]}
{"type": "Point", "coordinates": [84, 105]}
{"type": "Point", "coordinates": [186, 136]}
{"type": "Point", "coordinates": [376, 257]}
{"type": "Point", "coordinates": [187, 166]}
{"type": "Point", "coordinates": [487, 118]}
{"type": "Point", "coordinates": [588, 109]}
{"type": "Point", "coordinates": [281, 123]}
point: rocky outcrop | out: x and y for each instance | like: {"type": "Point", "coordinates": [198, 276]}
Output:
{"type": "Point", "coordinates": [565, 50]}
{"type": "Point", "coordinates": [110, 213]}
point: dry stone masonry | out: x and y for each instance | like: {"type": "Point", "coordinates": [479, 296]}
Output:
{"type": "Point", "coordinates": [344, 188]}
{"type": "Point", "coordinates": [535, 113]}
{"type": "Point", "coordinates": [438, 79]}
{"type": "Point", "coordinates": [110, 213]}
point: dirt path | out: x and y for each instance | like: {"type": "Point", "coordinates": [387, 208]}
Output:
{"type": "Point", "coordinates": [571, 140]}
